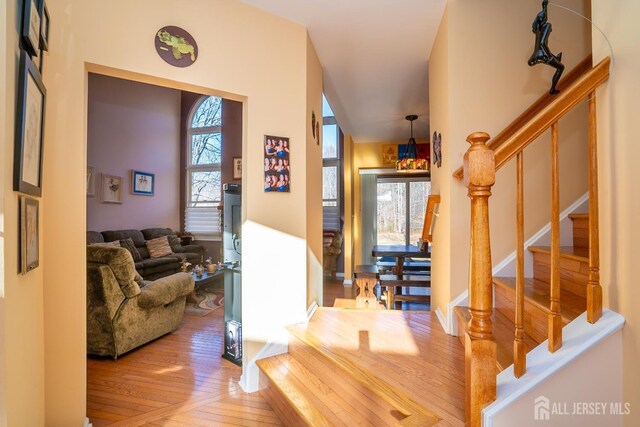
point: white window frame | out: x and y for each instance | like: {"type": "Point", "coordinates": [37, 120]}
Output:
{"type": "Point", "coordinates": [381, 179]}
{"type": "Point", "coordinates": [333, 162]}
{"type": "Point", "coordinates": [199, 214]}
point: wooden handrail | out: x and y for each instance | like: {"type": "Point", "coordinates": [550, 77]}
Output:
{"type": "Point", "coordinates": [481, 161]}
{"type": "Point", "coordinates": [546, 111]}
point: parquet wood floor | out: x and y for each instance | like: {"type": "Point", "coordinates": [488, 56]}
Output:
{"type": "Point", "coordinates": [177, 380]}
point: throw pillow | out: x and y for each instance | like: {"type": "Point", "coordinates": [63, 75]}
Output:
{"type": "Point", "coordinates": [158, 247]}
{"type": "Point", "coordinates": [115, 243]}
{"type": "Point", "coordinates": [131, 247]}
{"type": "Point", "coordinates": [174, 242]}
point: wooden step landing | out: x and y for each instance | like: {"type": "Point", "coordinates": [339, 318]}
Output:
{"type": "Point", "coordinates": [568, 252]}
{"type": "Point", "coordinates": [383, 367]}
{"type": "Point", "coordinates": [503, 333]}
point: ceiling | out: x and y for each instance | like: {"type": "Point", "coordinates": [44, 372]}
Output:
{"type": "Point", "coordinates": [374, 54]}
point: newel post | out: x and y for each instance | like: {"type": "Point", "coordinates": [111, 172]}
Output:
{"type": "Point", "coordinates": [480, 347]}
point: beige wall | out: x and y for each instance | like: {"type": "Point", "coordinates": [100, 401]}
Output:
{"type": "Point", "coordinates": [265, 66]}
{"type": "Point", "coordinates": [619, 177]}
{"type": "Point", "coordinates": [489, 84]}
{"type": "Point", "coordinates": [21, 297]}
{"type": "Point", "coordinates": [314, 179]}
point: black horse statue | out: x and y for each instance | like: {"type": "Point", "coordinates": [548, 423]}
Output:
{"type": "Point", "coordinates": [541, 53]}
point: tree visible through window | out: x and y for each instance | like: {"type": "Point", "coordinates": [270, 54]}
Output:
{"type": "Point", "coordinates": [204, 158]}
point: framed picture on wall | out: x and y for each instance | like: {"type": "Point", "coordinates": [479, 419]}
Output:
{"type": "Point", "coordinates": [44, 27]}
{"type": "Point", "coordinates": [142, 183]}
{"type": "Point", "coordinates": [111, 189]}
{"type": "Point", "coordinates": [276, 164]}
{"type": "Point", "coordinates": [91, 181]}
{"type": "Point", "coordinates": [29, 237]}
{"type": "Point", "coordinates": [237, 168]}
{"type": "Point", "coordinates": [27, 166]}
{"type": "Point", "coordinates": [31, 27]}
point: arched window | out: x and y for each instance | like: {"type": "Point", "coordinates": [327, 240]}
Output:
{"type": "Point", "coordinates": [203, 178]}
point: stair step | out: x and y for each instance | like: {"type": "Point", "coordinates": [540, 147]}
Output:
{"type": "Point", "coordinates": [374, 401]}
{"type": "Point", "coordinates": [536, 297]}
{"type": "Point", "coordinates": [294, 403]}
{"type": "Point", "coordinates": [580, 230]}
{"type": "Point", "coordinates": [503, 333]}
{"type": "Point", "coordinates": [574, 267]}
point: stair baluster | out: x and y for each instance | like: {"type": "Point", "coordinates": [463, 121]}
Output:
{"type": "Point", "coordinates": [555, 319]}
{"type": "Point", "coordinates": [594, 290]}
{"type": "Point", "coordinates": [519, 346]}
{"type": "Point", "coordinates": [480, 347]}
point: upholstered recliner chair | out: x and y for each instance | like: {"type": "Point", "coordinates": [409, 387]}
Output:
{"type": "Point", "coordinates": [123, 311]}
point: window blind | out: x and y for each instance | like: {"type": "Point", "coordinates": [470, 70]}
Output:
{"type": "Point", "coordinates": [205, 223]}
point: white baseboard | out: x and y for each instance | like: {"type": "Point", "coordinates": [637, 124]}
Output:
{"type": "Point", "coordinates": [250, 378]}
{"type": "Point", "coordinates": [338, 274]}
{"type": "Point", "coordinates": [87, 423]}
{"type": "Point", "coordinates": [348, 282]}
{"type": "Point", "coordinates": [450, 323]}
{"type": "Point", "coordinates": [507, 266]}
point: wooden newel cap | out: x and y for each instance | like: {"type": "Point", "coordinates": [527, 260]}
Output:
{"type": "Point", "coordinates": [479, 162]}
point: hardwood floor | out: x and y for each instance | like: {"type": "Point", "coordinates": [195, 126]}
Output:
{"type": "Point", "coordinates": [177, 380]}
{"type": "Point", "coordinates": [180, 379]}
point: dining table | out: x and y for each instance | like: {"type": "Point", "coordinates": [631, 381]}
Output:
{"type": "Point", "coordinates": [395, 282]}
{"type": "Point", "coordinates": [400, 252]}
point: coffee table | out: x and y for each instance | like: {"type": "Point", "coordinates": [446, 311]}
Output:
{"type": "Point", "coordinates": [206, 278]}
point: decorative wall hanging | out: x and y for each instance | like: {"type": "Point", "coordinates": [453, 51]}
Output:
{"type": "Point", "coordinates": [176, 46]}
{"type": "Point", "coordinates": [44, 26]}
{"type": "Point", "coordinates": [31, 27]}
{"type": "Point", "coordinates": [541, 52]}
{"type": "Point", "coordinates": [437, 149]}
{"type": "Point", "coordinates": [142, 183]}
{"type": "Point", "coordinates": [313, 124]}
{"type": "Point", "coordinates": [389, 154]}
{"type": "Point", "coordinates": [91, 181]}
{"type": "Point", "coordinates": [27, 168]}
{"type": "Point", "coordinates": [29, 234]}
{"type": "Point", "coordinates": [237, 168]}
{"type": "Point", "coordinates": [276, 164]}
{"type": "Point", "coordinates": [111, 189]}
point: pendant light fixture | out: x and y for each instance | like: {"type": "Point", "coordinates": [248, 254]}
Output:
{"type": "Point", "coordinates": [410, 160]}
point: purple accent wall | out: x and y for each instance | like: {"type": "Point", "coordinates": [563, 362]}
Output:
{"type": "Point", "coordinates": [134, 126]}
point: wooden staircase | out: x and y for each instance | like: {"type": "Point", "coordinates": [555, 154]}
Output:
{"type": "Point", "coordinates": [339, 375]}
{"type": "Point", "coordinates": [574, 277]}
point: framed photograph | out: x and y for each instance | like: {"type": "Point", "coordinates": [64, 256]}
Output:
{"type": "Point", "coordinates": [142, 183]}
{"type": "Point", "coordinates": [237, 168]}
{"type": "Point", "coordinates": [29, 237]}
{"type": "Point", "coordinates": [276, 164]}
{"type": "Point", "coordinates": [27, 167]}
{"type": "Point", "coordinates": [31, 27]}
{"type": "Point", "coordinates": [44, 26]}
{"type": "Point", "coordinates": [111, 189]}
{"type": "Point", "coordinates": [91, 181]}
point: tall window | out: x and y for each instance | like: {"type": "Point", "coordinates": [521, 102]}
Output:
{"type": "Point", "coordinates": [204, 157]}
{"type": "Point", "coordinates": [331, 171]}
{"type": "Point", "coordinates": [401, 205]}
